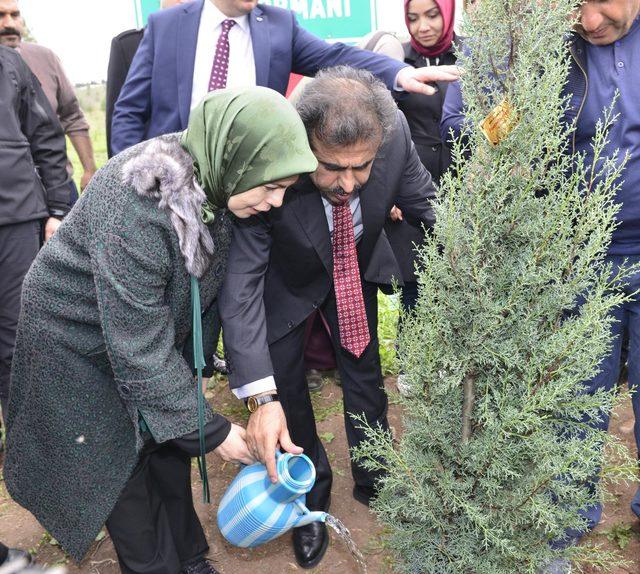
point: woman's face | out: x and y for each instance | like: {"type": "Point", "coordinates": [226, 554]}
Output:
{"type": "Point", "coordinates": [425, 22]}
{"type": "Point", "coordinates": [260, 199]}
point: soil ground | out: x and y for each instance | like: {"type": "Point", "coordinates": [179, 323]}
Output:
{"type": "Point", "coordinates": [18, 528]}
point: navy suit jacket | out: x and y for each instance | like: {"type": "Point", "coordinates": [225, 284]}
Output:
{"type": "Point", "coordinates": [156, 97]}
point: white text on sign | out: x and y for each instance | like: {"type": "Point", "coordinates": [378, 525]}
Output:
{"type": "Point", "coordinates": [311, 9]}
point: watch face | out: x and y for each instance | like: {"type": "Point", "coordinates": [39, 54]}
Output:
{"type": "Point", "coordinates": [254, 402]}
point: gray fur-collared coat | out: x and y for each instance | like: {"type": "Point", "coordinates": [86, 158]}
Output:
{"type": "Point", "coordinates": [106, 311]}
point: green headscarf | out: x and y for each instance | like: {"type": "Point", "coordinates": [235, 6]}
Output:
{"type": "Point", "coordinates": [243, 138]}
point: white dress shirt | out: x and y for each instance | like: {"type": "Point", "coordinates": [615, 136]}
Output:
{"type": "Point", "coordinates": [242, 66]}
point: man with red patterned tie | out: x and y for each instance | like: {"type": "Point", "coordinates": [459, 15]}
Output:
{"type": "Point", "coordinates": [324, 249]}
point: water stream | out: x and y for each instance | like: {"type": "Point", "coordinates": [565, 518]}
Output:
{"type": "Point", "coordinates": [343, 533]}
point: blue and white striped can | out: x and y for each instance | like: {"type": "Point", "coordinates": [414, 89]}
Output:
{"type": "Point", "coordinates": [253, 510]}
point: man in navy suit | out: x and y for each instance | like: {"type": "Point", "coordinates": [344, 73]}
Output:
{"type": "Point", "coordinates": [173, 65]}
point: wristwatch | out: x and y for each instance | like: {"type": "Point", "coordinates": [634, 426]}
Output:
{"type": "Point", "coordinates": [254, 402]}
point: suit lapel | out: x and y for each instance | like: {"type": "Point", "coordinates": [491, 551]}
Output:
{"type": "Point", "coordinates": [372, 206]}
{"type": "Point", "coordinates": [187, 37]}
{"type": "Point", "coordinates": [309, 209]}
{"type": "Point", "coordinates": [259, 28]}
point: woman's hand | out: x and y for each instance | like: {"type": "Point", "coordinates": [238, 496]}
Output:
{"type": "Point", "coordinates": [234, 447]}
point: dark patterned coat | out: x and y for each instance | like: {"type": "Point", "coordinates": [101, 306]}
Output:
{"type": "Point", "coordinates": [105, 313]}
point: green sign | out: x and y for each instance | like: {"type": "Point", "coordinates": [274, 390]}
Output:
{"type": "Point", "coordinates": [346, 20]}
{"type": "Point", "coordinates": [143, 8]}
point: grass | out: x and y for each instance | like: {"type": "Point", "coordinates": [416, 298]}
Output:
{"type": "Point", "coordinates": [92, 102]}
{"type": "Point", "coordinates": [388, 310]}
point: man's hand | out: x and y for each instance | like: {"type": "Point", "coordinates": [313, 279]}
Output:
{"type": "Point", "coordinates": [416, 79]}
{"type": "Point", "coordinates": [85, 179]}
{"type": "Point", "coordinates": [267, 427]}
{"type": "Point", "coordinates": [395, 214]}
{"type": "Point", "coordinates": [234, 448]}
{"type": "Point", "coordinates": [51, 227]}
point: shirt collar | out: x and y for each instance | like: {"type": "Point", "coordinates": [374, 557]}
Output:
{"type": "Point", "coordinates": [355, 195]}
{"type": "Point", "coordinates": [214, 17]}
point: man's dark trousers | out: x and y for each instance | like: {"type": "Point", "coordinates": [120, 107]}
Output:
{"type": "Point", "coordinates": [19, 245]}
{"type": "Point", "coordinates": [154, 526]}
{"type": "Point", "coordinates": [362, 388]}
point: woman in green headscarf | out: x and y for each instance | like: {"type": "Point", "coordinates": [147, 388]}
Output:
{"type": "Point", "coordinates": [104, 410]}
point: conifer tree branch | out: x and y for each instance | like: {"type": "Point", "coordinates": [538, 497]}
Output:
{"type": "Point", "coordinates": [467, 405]}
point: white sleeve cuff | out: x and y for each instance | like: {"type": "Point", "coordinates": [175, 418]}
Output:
{"type": "Point", "coordinates": [255, 388]}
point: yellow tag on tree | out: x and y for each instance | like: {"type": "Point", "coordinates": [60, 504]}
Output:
{"type": "Point", "coordinates": [500, 122]}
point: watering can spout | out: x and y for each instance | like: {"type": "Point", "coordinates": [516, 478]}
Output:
{"type": "Point", "coordinates": [309, 517]}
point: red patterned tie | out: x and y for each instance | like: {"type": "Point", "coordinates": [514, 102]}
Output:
{"type": "Point", "coordinates": [352, 318]}
{"type": "Point", "coordinates": [220, 69]}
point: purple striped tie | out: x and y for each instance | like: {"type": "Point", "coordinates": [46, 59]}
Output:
{"type": "Point", "coordinates": [220, 68]}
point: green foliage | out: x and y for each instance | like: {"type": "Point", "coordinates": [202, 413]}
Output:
{"type": "Point", "coordinates": [387, 332]}
{"type": "Point", "coordinates": [512, 318]}
{"type": "Point", "coordinates": [326, 437]}
{"type": "Point", "coordinates": [324, 409]}
{"type": "Point", "coordinates": [620, 534]}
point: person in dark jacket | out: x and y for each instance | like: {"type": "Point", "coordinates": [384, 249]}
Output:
{"type": "Point", "coordinates": [104, 408]}
{"type": "Point", "coordinates": [123, 49]}
{"type": "Point", "coordinates": [31, 202]}
{"type": "Point", "coordinates": [430, 24]}
{"type": "Point", "coordinates": [433, 43]}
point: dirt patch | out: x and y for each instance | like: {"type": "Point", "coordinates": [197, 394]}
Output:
{"type": "Point", "coordinates": [18, 527]}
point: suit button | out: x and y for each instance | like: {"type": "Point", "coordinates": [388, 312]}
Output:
{"type": "Point", "coordinates": [434, 148]}
{"type": "Point", "coordinates": [125, 391]}
{"type": "Point", "coordinates": [290, 324]}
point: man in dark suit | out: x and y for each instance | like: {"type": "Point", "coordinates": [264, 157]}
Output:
{"type": "Point", "coordinates": [184, 48]}
{"type": "Point", "coordinates": [123, 49]}
{"type": "Point", "coordinates": [324, 249]}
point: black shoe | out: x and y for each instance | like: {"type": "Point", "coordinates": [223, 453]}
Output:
{"type": "Point", "coordinates": [310, 543]}
{"type": "Point", "coordinates": [220, 365]}
{"type": "Point", "coordinates": [202, 566]}
{"type": "Point", "coordinates": [314, 380]}
{"type": "Point", "coordinates": [364, 494]}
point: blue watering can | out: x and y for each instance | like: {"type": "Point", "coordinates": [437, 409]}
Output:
{"type": "Point", "coordinates": [253, 510]}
